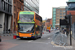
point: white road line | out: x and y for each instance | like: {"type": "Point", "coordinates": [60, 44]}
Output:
{"type": "Point", "coordinates": [30, 41]}
{"type": "Point", "coordinates": [65, 47]}
{"type": "Point", "coordinates": [56, 46]}
{"type": "Point", "coordinates": [68, 47]}
{"type": "Point", "coordinates": [49, 38]}
{"type": "Point", "coordinates": [39, 42]}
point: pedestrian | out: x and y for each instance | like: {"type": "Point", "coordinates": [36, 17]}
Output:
{"type": "Point", "coordinates": [9, 30]}
{"type": "Point", "coordinates": [64, 30]}
{"type": "Point", "coordinates": [0, 38]}
{"type": "Point", "coordinates": [49, 31]}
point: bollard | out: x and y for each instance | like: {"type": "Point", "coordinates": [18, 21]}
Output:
{"type": "Point", "coordinates": [14, 36]}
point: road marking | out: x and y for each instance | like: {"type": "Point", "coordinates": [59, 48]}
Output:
{"type": "Point", "coordinates": [68, 47]}
{"type": "Point", "coordinates": [65, 47]}
{"type": "Point", "coordinates": [30, 41]}
{"type": "Point", "coordinates": [49, 38]}
{"type": "Point", "coordinates": [39, 42]}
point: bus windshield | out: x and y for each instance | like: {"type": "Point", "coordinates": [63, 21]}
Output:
{"type": "Point", "coordinates": [26, 28]}
{"type": "Point", "coordinates": [26, 17]}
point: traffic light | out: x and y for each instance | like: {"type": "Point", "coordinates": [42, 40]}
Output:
{"type": "Point", "coordinates": [63, 22]}
{"type": "Point", "coordinates": [68, 18]}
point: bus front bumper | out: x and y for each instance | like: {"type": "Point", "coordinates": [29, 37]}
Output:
{"type": "Point", "coordinates": [25, 37]}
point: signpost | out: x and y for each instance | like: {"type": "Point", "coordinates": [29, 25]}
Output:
{"type": "Point", "coordinates": [0, 33]}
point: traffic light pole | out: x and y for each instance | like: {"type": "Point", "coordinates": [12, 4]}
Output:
{"type": "Point", "coordinates": [70, 31]}
{"type": "Point", "coordinates": [68, 19]}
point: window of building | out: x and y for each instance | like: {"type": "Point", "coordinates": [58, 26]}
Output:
{"type": "Point", "coordinates": [60, 16]}
{"type": "Point", "coordinates": [9, 1]}
{"type": "Point", "coordinates": [63, 10]}
{"type": "Point", "coordinates": [10, 9]}
{"type": "Point", "coordinates": [54, 15]}
{"type": "Point", "coordinates": [57, 21]}
{"type": "Point", "coordinates": [14, 8]}
{"type": "Point", "coordinates": [54, 9]}
{"type": "Point", "coordinates": [5, 6]}
{"type": "Point", "coordinates": [60, 13]}
{"type": "Point", "coordinates": [60, 10]}
{"type": "Point", "coordinates": [14, 15]}
{"type": "Point", "coordinates": [71, 6]}
{"type": "Point", "coordinates": [14, 1]}
{"type": "Point", "coordinates": [54, 12]}
{"type": "Point", "coordinates": [22, 1]}
{"type": "Point", "coordinates": [57, 18]}
{"type": "Point", "coordinates": [63, 13]}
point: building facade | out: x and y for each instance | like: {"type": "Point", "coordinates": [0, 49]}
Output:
{"type": "Point", "coordinates": [58, 14]}
{"type": "Point", "coordinates": [51, 22]}
{"type": "Point", "coordinates": [48, 22]}
{"type": "Point", "coordinates": [17, 7]}
{"type": "Point", "coordinates": [5, 15]}
{"type": "Point", "coordinates": [23, 5]}
{"type": "Point", "coordinates": [31, 5]}
{"type": "Point", "coordinates": [53, 17]}
{"type": "Point", "coordinates": [71, 9]}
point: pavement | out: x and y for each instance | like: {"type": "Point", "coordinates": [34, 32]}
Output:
{"type": "Point", "coordinates": [67, 40]}
{"type": "Point", "coordinates": [44, 43]}
{"type": "Point", "coordinates": [73, 42]}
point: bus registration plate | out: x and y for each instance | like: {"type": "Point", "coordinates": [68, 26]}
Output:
{"type": "Point", "coordinates": [24, 37]}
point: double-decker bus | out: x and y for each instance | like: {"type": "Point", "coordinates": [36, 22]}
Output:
{"type": "Point", "coordinates": [48, 28]}
{"type": "Point", "coordinates": [29, 25]}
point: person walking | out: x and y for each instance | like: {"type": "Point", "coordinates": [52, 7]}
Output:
{"type": "Point", "coordinates": [49, 31]}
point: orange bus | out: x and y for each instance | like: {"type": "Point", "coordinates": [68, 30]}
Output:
{"type": "Point", "coordinates": [48, 28]}
{"type": "Point", "coordinates": [29, 25]}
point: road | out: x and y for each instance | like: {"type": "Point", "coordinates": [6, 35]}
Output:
{"type": "Point", "coordinates": [44, 43]}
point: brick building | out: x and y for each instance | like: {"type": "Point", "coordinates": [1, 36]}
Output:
{"type": "Point", "coordinates": [73, 15]}
{"type": "Point", "coordinates": [48, 22]}
{"type": "Point", "coordinates": [17, 6]}
{"type": "Point", "coordinates": [51, 22]}
{"type": "Point", "coordinates": [57, 14]}
{"type": "Point", "coordinates": [71, 9]}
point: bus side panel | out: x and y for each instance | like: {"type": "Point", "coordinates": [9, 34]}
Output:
{"type": "Point", "coordinates": [38, 23]}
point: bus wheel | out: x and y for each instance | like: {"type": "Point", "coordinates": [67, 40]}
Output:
{"type": "Point", "coordinates": [39, 37]}
{"type": "Point", "coordinates": [35, 38]}
{"type": "Point", "coordinates": [0, 40]}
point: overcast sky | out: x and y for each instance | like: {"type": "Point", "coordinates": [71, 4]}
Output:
{"type": "Point", "coordinates": [45, 7]}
